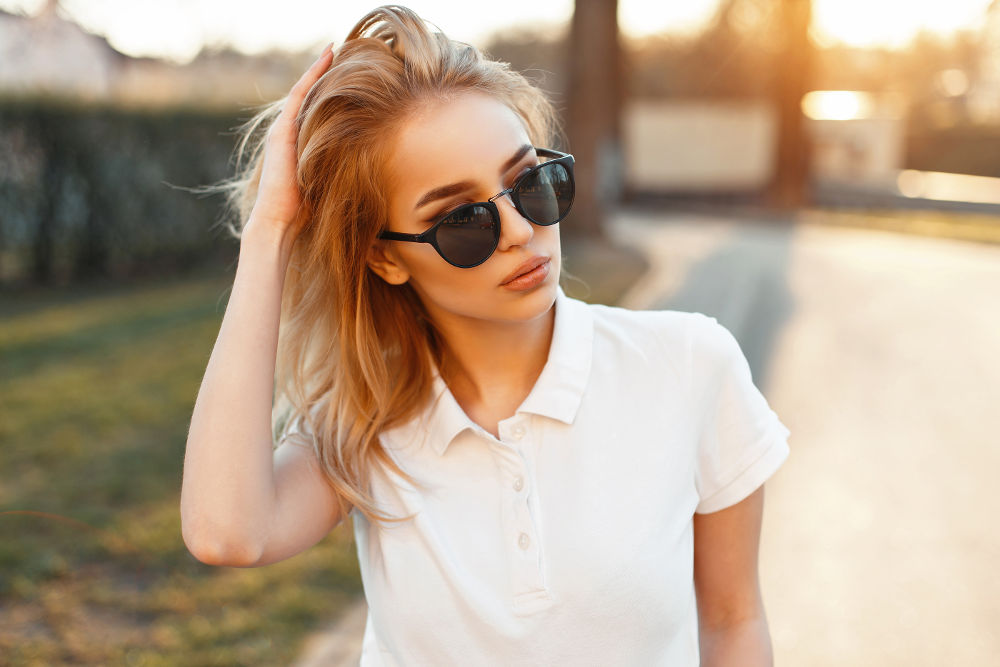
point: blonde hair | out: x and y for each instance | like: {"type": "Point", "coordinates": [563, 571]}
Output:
{"type": "Point", "coordinates": [354, 352]}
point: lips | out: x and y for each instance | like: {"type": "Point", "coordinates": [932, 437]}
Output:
{"type": "Point", "coordinates": [527, 267]}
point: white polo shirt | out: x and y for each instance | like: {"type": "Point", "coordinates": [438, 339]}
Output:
{"type": "Point", "coordinates": [568, 540]}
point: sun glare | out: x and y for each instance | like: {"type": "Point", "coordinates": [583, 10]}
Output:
{"type": "Point", "coordinates": [891, 23]}
{"type": "Point", "coordinates": [179, 29]}
{"type": "Point", "coordinates": [836, 105]}
{"type": "Point", "coordinates": [637, 18]}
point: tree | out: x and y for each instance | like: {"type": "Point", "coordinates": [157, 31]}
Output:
{"type": "Point", "coordinates": [790, 181]}
{"type": "Point", "coordinates": [593, 119]}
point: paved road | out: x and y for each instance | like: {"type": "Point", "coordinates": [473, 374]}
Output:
{"type": "Point", "coordinates": [881, 353]}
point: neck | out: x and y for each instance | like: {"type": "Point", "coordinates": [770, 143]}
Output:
{"type": "Point", "coordinates": [491, 378]}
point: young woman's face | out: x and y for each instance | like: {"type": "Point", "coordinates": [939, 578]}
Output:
{"type": "Point", "coordinates": [475, 139]}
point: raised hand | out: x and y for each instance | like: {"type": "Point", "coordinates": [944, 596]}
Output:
{"type": "Point", "coordinates": [243, 504]}
{"type": "Point", "coordinates": [278, 196]}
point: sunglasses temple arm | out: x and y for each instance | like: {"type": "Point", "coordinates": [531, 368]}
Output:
{"type": "Point", "coordinates": [400, 236]}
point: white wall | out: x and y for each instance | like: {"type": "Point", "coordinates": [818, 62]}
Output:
{"type": "Point", "coordinates": [698, 146]}
{"type": "Point", "coordinates": [709, 146]}
{"type": "Point", "coordinates": [859, 150]}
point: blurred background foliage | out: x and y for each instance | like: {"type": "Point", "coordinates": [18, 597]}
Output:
{"type": "Point", "coordinates": [104, 192]}
{"type": "Point", "coordinates": [85, 185]}
{"type": "Point", "coordinates": [93, 191]}
{"type": "Point", "coordinates": [733, 57]}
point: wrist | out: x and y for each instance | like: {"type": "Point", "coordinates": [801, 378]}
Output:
{"type": "Point", "coordinates": [260, 232]}
{"type": "Point", "coordinates": [266, 227]}
{"type": "Point", "coordinates": [265, 242]}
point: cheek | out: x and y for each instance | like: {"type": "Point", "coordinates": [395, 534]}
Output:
{"type": "Point", "coordinates": [549, 242]}
{"type": "Point", "coordinates": [445, 295]}
{"type": "Point", "coordinates": [552, 239]}
{"type": "Point", "coordinates": [437, 281]}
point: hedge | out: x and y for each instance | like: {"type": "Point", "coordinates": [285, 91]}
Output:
{"type": "Point", "coordinates": [89, 192]}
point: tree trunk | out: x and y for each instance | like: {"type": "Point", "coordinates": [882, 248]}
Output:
{"type": "Point", "coordinates": [92, 255]}
{"type": "Point", "coordinates": [789, 186]}
{"type": "Point", "coordinates": [593, 117]}
{"type": "Point", "coordinates": [52, 178]}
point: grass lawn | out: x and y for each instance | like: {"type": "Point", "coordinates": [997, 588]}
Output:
{"type": "Point", "coordinates": [96, 391]}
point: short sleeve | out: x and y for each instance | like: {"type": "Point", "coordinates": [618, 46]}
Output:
{"type": "Point", "coordinates": [298, 432]}
{"type": "Point", "coordinates": [741, 441]}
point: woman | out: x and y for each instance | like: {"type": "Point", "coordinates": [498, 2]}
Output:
{"type": "Point", "coordinates": [532, 480]}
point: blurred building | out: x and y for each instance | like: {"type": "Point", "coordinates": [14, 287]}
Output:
{"type": "Point", "coordinates": [49, 55]}
{"type": "Point", "coordinates": [683, 146]}
{"type": "Point", "coordinates": [46, 54]}
{"type": "Point", "coordinates": [857, 138]}
{"type": "Point", "coordinates": [695, 146]}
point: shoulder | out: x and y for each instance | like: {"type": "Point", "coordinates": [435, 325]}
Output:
{"type": "Point", "coordinates": [674, 331]}
{"type": "Point", "coordinates": [667, 344]}
{"type": "Point", "coordinates": [712, 343]}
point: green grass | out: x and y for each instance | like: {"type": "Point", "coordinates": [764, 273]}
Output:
{"type": "Point", "coordinates": [96, 391]}
{"type": "Point", "coordinates": [959, 225]}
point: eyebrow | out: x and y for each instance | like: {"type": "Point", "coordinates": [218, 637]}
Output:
{"type": "Point", "coordinates": [455, 188]}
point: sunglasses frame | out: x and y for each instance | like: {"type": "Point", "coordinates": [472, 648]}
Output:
{"type": "Point", "coordinates": [430, 236]}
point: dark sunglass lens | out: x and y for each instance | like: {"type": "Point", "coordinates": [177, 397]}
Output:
{"type": "Point", "coordinates": [547, 194]}
{"type": "Point", "coordinates": [468, 236]}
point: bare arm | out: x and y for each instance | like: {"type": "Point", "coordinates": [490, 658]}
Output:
{"type": "Point", "coordinates": [243, 503]}
{"type": "Point", "coordinates": [732, 624]}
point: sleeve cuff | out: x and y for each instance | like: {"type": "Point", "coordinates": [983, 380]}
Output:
{"type": "Point", "coordinates": [751, 478]}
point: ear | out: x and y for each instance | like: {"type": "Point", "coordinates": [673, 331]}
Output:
{"type": "Point", "coordinates": [386, 264]}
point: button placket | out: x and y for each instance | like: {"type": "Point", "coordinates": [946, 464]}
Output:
{"type": "Point", "coordinates": [524, 525]}
{"type": "Point", "coordinates": [519, 524]}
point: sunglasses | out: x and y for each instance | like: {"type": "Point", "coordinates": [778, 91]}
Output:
{"type": "Point", "coordinates": [467, 236]}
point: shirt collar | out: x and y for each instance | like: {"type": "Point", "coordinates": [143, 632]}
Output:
{"type": "Point", "coordinates": [557, 393]}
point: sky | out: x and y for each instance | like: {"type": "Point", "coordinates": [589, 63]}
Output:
{"type": "Point", "coordinates": [178, 29]}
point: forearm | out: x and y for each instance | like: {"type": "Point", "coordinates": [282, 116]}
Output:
{"type": "Point", "coordinates": [743, 644]}
{"type": "Point", "coordinates": [227, 494]}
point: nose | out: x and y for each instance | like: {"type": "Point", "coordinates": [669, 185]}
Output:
{"type": "Point", "coordinates": [515, 229]}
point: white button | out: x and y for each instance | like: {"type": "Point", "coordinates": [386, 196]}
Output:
{"type": "Point", "coordinates": [518, 483]}
{"type": "Point", "coordinates": [523, 541]}
{"type": "Point", "coordinates": [518, 432]}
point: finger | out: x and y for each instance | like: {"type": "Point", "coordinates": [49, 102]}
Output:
{"type": "Point", "coordinates": [310, 76]}
{"type": "Point", "coordinates": [293, 102]}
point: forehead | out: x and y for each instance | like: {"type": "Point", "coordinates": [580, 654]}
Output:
{"type": "Point", "coordinates": [467, 137]}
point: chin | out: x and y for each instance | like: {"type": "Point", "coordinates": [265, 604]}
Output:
{"type": "Point", "coordinates": [535, 302]}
